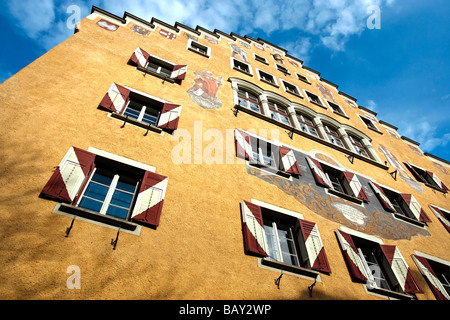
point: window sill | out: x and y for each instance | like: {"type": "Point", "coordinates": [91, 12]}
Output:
{"type": "Point", "coordinates": [199, 53]}
{"type": "Point", "coordinates": [295, 94]}
{"type": "Point", "coordinates": [435, 188]}
{"type": "Point", "coordinates": [375, 130]}
{"type": "Point", "coordinates": [271, 83]}
{"type": "Point", "coordinates": [91, 215]}
{"type": "Point", "coordinates": [391, 294]}
{"type": "Point", "coordinates": [290, 268]}
{"type": "Point", "coordinates": [136, 122]}
{"type": "Point", "coordinates": [270, 169]}
{"type": "Point", "coordinates": [408, 219]}
{"type": "Point", "coordinates": [345, 196]}
{"type": "Point", "coordinates": [264, 62]}
{"type": "Point", "coordinates": [309, 136]}
{"type": "Point", "coordinates": [155, 74]}
{"type": "Point", "coordinates": [342, 115]}
{"type": "Point", "coordinates": [243, 71]}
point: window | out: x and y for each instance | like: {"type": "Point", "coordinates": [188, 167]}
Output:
{"type": "Point", "coordinates": [279, 113]}
{"type": "Point", "coordinates": [314, 98]}
{"type": "Point", "coordinates": [288, 87]}
{"type": "Point", "coordinates": [261, 59]}
{"type": "Point", "coordinates": [241, 66]}
{"type": "Point", "coordinates": [369, 123]}
{"type": "Point", "coordinates": [199, 48]}
{"type": "Point", "coordinates": [107, 188]}
{"type": "Point", "coordinates": [333, 136]}
{"type": "Point", "coordinates": [336, 108]}
{"type": "Point", "coordinates": [443, 216]}
{"type": "Point", "coordinates": [403, 205]}
{"type": "Point", "coordinates": [158, 66]}
{"type": "Point", "coordinates": [359, 146]}
{"type": "Point", "coordinates": [429, 178]}
{"type": "Point", "coordinates": [277, 58]}
{"type": "Point", "coordinates": [437, 273]}
{"type": "Point", "coordinates": [381, 267]}
{"type": "Point", "coordinates": [340, 183]}
{"type": "Point", "coordinates": [303, 78]}
{"type": "Point", "coordinates": [263, 76]}
{"type": "Point", "coordinates": [249, 100]}
{"type": "Point", "coordinates": [307, 125]}
{"type": "Point", "coordinates": [262, 153]}
{"type": "Point", "coordinates": [141, 109]}
{"type": "Point", "coordinates": [282, 69]}
{"type": "Point", "coordinates": [283, 240]}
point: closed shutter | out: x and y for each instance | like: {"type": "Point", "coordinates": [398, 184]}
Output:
{"type": "Point", "coordinates": [438, 181]}
{"type": "Point", "coordinates": [415, 207]}
{"type": "Point", "coordinates": [387, 205]}
{"type": "Point", "coordinates": [69, 176]}
{"type": "Point", "coordinates": [289, 161]}
{"type": "Point", "coordinates": [150, 199]}
{"type": "Point", "coordinates": [253, 229]}
{"type": "Point", "coordinates": [351, 256]}
{"type": "Point", "coordinates": [140, 57]}
{"type": "Point", "coordinates": [179, 72]}
{"type": "Point", "coordinates": [243, 145]}
{"type": "Point", "coordinates": [170, 116]}
{"type": "Point", "coordinates": [441, 217]}
{"type": "Point", "coordinates": [400, 269]}
{"type": "Point", "coordinates": [318, 173]}
{"type": "Point", "coordinates": [314, 246]}
{"type": "Point", "coordinates": [356, 186]}
{"type": "Point", "coordinates": [430, 276]}
{"type": "Point", "coordinates": [116, 98]}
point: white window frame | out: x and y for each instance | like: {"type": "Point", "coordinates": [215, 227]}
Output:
{"type": "Point", "coordinates": [302, 78]}
{"type": "Point", "coordinates": [274, 83]}
{"type": "Point", "coordinates": [321, 104]}
{"type": "Point", "coordinates": [233, 66]}
{"type": "Point", "coordinates": [283, 69]}
{"type": "Point", "coordinates": [260, 58]}
{"type": "Point", "coordinates": [341, 111]}
{"type": "Point", "coordinates": [372, 126]}
{"type": "Point", "coordinates": [159, 68]}
{"type": "Point", "coordinates": [192, 45]}
{"type": "Point", "coordinates": [296, 93]}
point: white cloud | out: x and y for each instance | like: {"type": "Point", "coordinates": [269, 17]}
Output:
{"type": "Point", "coordinates": [426, 134]}
{"type": "Point", "coordinates": [372, 105]}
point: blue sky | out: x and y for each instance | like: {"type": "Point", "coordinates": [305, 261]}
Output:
{"type": "Point", "coordinates": [400, 71]}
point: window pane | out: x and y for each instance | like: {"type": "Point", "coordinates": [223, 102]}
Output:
{"type": "Point", "coordinates": [122, 199]}
{"type": "Point", "coordinates": [90, 204]}
{"type": "Point", "coordinates": [117, 212]}
{"type": "Point", "coordinates": [271, 242]}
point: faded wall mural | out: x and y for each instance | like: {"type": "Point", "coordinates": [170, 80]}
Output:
{"type": "Point", "coordinates": [370, 218]}
{"type": "Point", "coordinates": [205, 89]}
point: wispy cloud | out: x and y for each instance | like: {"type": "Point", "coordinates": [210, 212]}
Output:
{"type": "Point", "coordinates": [428, 135]}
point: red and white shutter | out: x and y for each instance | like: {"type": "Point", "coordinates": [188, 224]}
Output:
{"type": "Point", "coordinates": [69, 176]}
{"type": "Point", "coordinates": [441, 217]}
{"type": "Point", "coordinates": [289, 161]}
{"type": "Point", "coordinates": [415, 207]}
{"type": "Point", "coordinates": [116, 98]}
{"type": "Point", "coordinates": [243, 145]}
{"type": "Point", "coordinates": [400, 269]}
{"type": "Point", "coordinates": [318, 173]}
{"type": "Point", "coordinates": [140, 57]}
{"type": "Point", "coordinates": [356, 186]}
{"type": "Point", "coordinates": [179, 72]}
{"type": "Point", "coordinates": [150, 199]}
{"type": "Point", "coordinates": [414, 172]}
{"type": "Point", "coordinates": [170, 116]}
{"type": "Point", "coordinates": [438, 181]}
{"type": "Point", "coordinates": [387, 205]}
{"type": "Point", "coordinates": [253, 229]}
{"type": "Point", "coordinates": [351, 256]}
{"type": "Point", "coordinates": [430, 276]}
{"type": "Point", "coordinates": [314, 246]}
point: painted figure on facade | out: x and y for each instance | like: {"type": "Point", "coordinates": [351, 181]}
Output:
{"type": "Point", "coordinates": [205, 89]}
{"type": "Point", "coordinates": [238, 53]}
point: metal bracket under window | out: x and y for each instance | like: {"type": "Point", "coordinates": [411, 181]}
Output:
{"type": "Point", "coordinates": [70, 228]}
{"type": "Point", "coordinates": [235, 111]}
{"type": "Point", "coordinates": [394, 174]}
{"type": "Point", "coordinates": [114, 242]}
{"type": "Point", "coordinates": [291, 134]}
{"type": "Point", "coordinates": [351, 159]}
{"type": "Point", "coordinates": [311, 287]}
{"type": "Point", "coordinates": [125, 122]}
{"type": "Point", "coordinates": [277, 280]}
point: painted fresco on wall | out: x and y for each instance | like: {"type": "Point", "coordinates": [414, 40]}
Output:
{"type": "Point", "coordinates": [107, 25]}
{"type": "Point", "coordinates": [211, 39]}
{"type": "Point", "coordinates": [189, 36]}
{"type": "Point", "coordinates": [258, 46]}
{"type": "Point", "coordinates": [367, 219]}
{"type": "Point", "coordinates": [140, 30]}
{"type": "Point", "coordinates": [167, 34]}
{"type": "Point", "coordinates": [205, 89]}
{"type": "Point", "coordinates": [402, 172]}
{"type": "Point", "coordinates": [350, 103]}
{"type": "Point", "coordinates": [416, 150]}
{"type": "Point", "coordinates": [326, 92]}
{"type": "Point", "coordinates": [295, 64]}
{"type": "Point", "coordinates": [245, 45]}
{"type": "Point", "coordinates": [238, 53]}
{"type": "Point", "coordinates": [440, 167]}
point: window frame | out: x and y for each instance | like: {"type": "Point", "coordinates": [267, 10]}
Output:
{"type": "Point", "coordinates": [422, 261]}
{"type": "Point", "coordinates": [274, 108]}
{"type": "Point", "coordinates": [193, 46]}
{"type": "Point", "coordinates": [424, 176]}
{"type": "Point", "coordinates": [248, 99]}
{"type": "Point", "coordinates": [337, 109]}
{"type": "Point", "coordinates": [302, 78]}
{"type": "Point", "coordinates": [282, 69]}
{"type": "Point", "coordinates": [310, 97]}
{"type": "Point", "coordinates": [337, 137]}
{"type": "Point", "coordinates": [260, 58]}
{"type": "Point", "coordinates": [369, 123]}
{"type": "Point", "coordinates": [263, 74]}
{"type": "Point", "coordinates": [302, 121]}
{"type": "Point", "coordinates": [235, 65]}
{"type": "Point", "coordinates": [296, 92]}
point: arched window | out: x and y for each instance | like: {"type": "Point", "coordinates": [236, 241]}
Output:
{"type": "Point", "coordinates": [359, 146]}
{"type": "Point", "coordinates": [249, 100]}
{"type": "Point", "coordinates": [333, 135]}
{"type": "Point", "coordinates": [280, 113]}
{"type": "Point", "coordinates": [307, 124]}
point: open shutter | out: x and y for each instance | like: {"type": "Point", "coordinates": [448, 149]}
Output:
{"type": "Point", "coordinates": [69, 176]}
{"type": "Point", "coordinates": [415, 207]}
{"type": "Point", "coordinates": [441, 217]}
{"type": "Point", "coordinates": [116, 98]}
{"type": "Point", "coordinates": [243, 145]}
{"type": "Point", "coordinates": [314, 246]}
{"type": "Point", "coordinates": [179, 72]}
{"type": "Point", "coordinates": [140, 57]}
{"type": "Point", "coordinates": [387, 205]}
{"type": "Point", "coordinates": [150, 199]}
{"type": "Point", "coordinates": [351, 256]}
{"type": "Point", "coordinates": [253, 229]}
{"type": "Point", "coordinates": [356, 186]}
{"type": "Point", "coordinates": [318, 173]}
{"type": "Point", "coordinates": [170, 115]}
{"type": "Point", "coordinates": [414, 172]}
{"type": "Point", "coordinates": [289, 161]}
{"type": "Point", "coordinates": [435, 285]}
{"type": "Point", "coordinates": [400, 269]}
{"type": "Point", "coordinates": [438, 181]}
